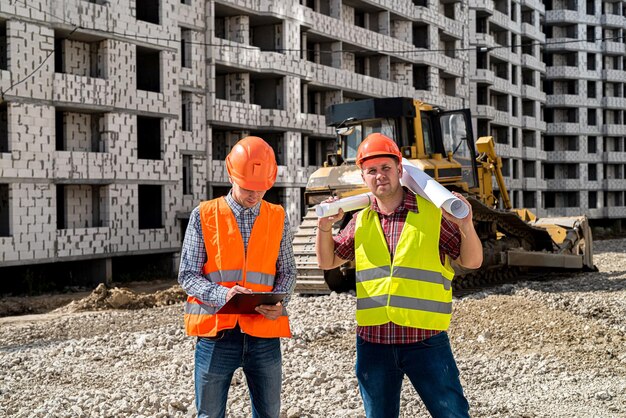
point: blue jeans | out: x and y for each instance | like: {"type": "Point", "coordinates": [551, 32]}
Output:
{"type": "Point", "coordinates": [429, 364]}
{"type": "Point", "coordinates": [217, 358]}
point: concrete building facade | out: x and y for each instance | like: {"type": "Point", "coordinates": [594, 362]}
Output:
{"type": "Point", "coordinates": [116, 115]}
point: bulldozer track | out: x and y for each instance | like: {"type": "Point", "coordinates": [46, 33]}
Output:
{"type": "Point", "coordinates": [310, 278]}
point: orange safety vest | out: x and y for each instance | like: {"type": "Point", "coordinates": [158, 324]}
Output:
{"type": "Point", "coordinates": [229, 264]}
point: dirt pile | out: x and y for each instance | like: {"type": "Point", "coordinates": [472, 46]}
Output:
{"type": "Point", "coordinates": [103, 298]}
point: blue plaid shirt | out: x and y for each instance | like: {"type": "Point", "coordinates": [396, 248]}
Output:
{"type": "Point", "coordinates": [194, 256]}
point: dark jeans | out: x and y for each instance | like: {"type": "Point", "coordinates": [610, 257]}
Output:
{"type": "Point", "coordinates": [216, 360]}
{"type": "Point", "coordinates": [429, 364]}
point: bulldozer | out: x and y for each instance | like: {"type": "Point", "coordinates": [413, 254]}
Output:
{"type": "Point", "coordinates": [441, 143]}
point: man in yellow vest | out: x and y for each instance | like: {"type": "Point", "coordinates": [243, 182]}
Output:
{"type": "Point", "coordinates": [238, 244]}
{"type": "Point", "coordinates": [402, 245]}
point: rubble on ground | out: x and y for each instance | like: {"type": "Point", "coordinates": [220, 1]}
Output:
{"type": "Point", "coordinates": [533, 349]}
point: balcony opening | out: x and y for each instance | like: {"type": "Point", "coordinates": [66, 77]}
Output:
{"type": "Point", "coordinates": [528, 138]}
{"type": "Point", "coordinates": [528, 16]}
{"type": "Point", "coordinates": [549, 200]}
{"type": "Point", "coordinates": [482, 24]}
{"type": "Point", "coordinates": [420, 3]}
{"type": "Point", "coordinates": [267, 92]}
{"type": "Point", "coordinates": [318, 149]}
{"type": "Point", "coordinates": [185, 47]}
{"type": "Point", "coordinates": [500, 134]}
{"type": "Point", "coordinates": [81, 206]}
{"type": "Point", "coordinates": [548, 171]}
{"type": "Point", "coordinates": [591, 62]}
{"type": "Point", "coordinates": [150, 206]}
{"type": "Point", "coordinates": [592, 198]}
{"type": "Point", "coordinates": [591, 7]}
{"type": "Point", "coordinates": [222, 141]}
{"type": "Point", "coordinates": [447, 86]}
{"type": "Point", "coordinates": [530, 169]}
{"type": "Point", "coordinates": [79, 131]}
{"type": "Point", "coordinates": [421, 77]}
{"type": "Point", "coordinates": [266, 37]}
{"type": "Point", "coordinates": [4, 128]}
{"type": "Point", "coordinates": [149, 138]}
{"type": "Point", "coordinates": [448, 10]}
{"type": "Point", "coordinates": [187, 174]}
{"type": "Point", "coordinates": [186, 111]}
{"type": "Point", "coordinates": [529, 199]}
{"type": "Point", "coordinates": [528, 108]}
{"type": "Point", "coordinates": [148, 11]}
{"type": "Point", "coordinates": [4, 63]}
{"type": "Point", "coordinates": [148, 66]}
{"type": "Point", "coordinates": [5, 211]}
{"type": "Point", "coordinates": [276, 141]}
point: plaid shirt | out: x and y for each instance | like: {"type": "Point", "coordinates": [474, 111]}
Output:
{"type": "Point", "coordinates": [392, 224]}
{"type": "Point", "coordinates": [194, 256]}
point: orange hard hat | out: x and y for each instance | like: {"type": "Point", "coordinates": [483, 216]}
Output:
{"type": "Point", "coordinates": [377, 145]}
{"type": "Point", "coordinates": [251, 164]}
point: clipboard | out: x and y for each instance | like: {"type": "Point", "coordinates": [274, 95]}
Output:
{"type": "Point", "coordinates": [244, 303]}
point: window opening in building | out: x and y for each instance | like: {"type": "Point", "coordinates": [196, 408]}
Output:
{"type": "Point", "coordinates": [150, 206]}
{"type": "Point", "coordinates": [187, 174]}
{"type": "Point", "coordinates": [593, 199]}
{"type": "Point", "coordinates": [187, 2]}
{"type": "Point", "coordinates": [591, 145]}
{"type": "Point", "coordinates": [4, 64]}
{"type": "Point", "coordinates": [548, 171]}
{"type": "Point", "coordinates": [420, 36]}
{"type": "Point", "coordinates": [185, 47]}
{"type": "Point", "coordinates": [592, 170]}
{"type": "Point", "coordinates": [421, 3]}
{"type": "Point", "coordinates": [186, 111]}
{"type": "Point", "coordinates": [4, 128]}
{"type": "Point", "coordinates": [59, 53]}
{"type": "Point", "coordinates": [149, 138]}
{"type": "Point", "coordinates": [530, 199]}
{"type": "Point", "coordinates": [148, 69]}
{"type": "Point", "coordinates": [59, 129]}
{"type": "Point", "coordinates": [5, 211]}
{"type": "Point", "coordinates": [148, 11]}
{"type": "Point", "coordinates": [421, 77]}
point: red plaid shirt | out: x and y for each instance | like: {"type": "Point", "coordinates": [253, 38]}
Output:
{"type": "Point", "coordinates": [392, 224]}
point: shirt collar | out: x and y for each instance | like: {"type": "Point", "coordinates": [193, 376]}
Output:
{"type": "Point", "coordinates": [239, 210]}
{"type": "Point", "coordinates": [408, 204]}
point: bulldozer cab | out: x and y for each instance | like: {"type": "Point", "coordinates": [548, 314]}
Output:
{"type": "Point", "coordinates": [440, 143]}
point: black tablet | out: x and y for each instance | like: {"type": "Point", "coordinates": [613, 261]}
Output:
{"type": "Point", "coordinates": [244, 303]}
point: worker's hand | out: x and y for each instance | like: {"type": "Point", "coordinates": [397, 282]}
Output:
{"type": "Point", "coordinates": [462, 223]}
{"type": "Point", "coordinates": [270, 311]}
{"type": "Point", "coordinates": [326, 224]}
{"type": "Point", "coordinates": [236, 289]}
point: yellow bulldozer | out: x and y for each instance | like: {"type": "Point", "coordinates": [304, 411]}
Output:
{"type": "Point", "coordinates": [441, 143]}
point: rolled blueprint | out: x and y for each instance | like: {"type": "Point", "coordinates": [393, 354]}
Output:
{"type": "Point", "coordinates": [424, 185]}
{"type": "Point", "coordinates": [349, 203]}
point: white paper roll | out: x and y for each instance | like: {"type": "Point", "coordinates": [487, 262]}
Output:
{"type": "Point", "coordinates": [347, 204]}
{"type": "Point", "coordinates": [424, 185]}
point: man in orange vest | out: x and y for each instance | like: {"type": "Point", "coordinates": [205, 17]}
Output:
{"type": "Point", "coordinates": [238, 244]}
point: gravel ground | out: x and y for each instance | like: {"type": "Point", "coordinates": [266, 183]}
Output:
{"type": "Point", "coordinates": [533, 349]}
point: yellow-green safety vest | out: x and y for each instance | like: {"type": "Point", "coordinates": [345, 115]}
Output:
{"type": "Point", "coordinates": [416, 289]}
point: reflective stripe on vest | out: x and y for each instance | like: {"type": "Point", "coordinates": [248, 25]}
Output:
{"type": "Point", "coordinates": [415, 290]}
{"type": "Point", "coordinates": [228, 263]}
{"type": "Point", "coordinates": [404, 273]}
{"type": "Point", "coordinates": [236, 276]}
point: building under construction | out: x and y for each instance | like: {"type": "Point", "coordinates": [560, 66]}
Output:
{"type": "Point", "coordinates": [116, 115]}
